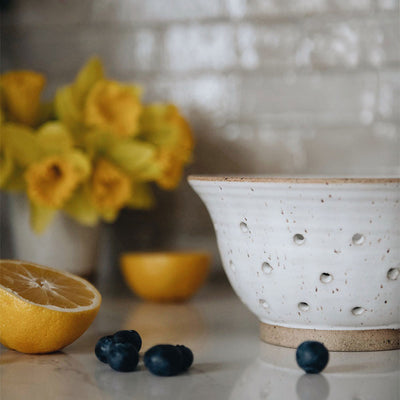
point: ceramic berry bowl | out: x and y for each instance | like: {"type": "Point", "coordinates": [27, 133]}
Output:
{"type": "Point", "coordinates": [312, 258]}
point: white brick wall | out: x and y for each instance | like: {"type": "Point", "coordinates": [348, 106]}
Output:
{"type": "Point", "coordinates": [310, 86]}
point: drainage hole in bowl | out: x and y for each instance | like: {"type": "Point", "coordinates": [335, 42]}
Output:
{"type": "Point", "coordinates": [299, 239]}
{"type": "Point", "coordinates": [358, 311]}
{"type": "Point", "coordinates": [393, 273]}
{"type": "Point", "coordinates": [263, 303]}
{"type": "Point", "coordinates": [325, 277]}
{"type": "Point", "coordinates": [243, 227]}
{"type": "Point", "coordinates": [302, 306]}
{"type": "Point", "coordinates": [358, 239]}
{"type": "Point", "coordinates": [266, 268]}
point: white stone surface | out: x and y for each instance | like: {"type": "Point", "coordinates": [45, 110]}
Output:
{"type": "Point", "coordinates": [230, 361]}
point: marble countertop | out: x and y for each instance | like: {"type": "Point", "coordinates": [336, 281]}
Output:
{"type": "Point", "coordinates": [230, 361]}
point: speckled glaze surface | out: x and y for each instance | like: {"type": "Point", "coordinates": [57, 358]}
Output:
{"type": "Point", "coordinates": [310, 253]}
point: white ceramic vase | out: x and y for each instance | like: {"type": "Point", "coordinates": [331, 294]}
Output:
{"type": "Point", "coordinates": [65, 244]}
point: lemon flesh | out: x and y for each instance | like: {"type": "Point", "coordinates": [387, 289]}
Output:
{"type": "Point", "coordinates": [42, 309]}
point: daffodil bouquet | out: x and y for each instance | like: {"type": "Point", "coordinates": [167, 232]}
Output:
{"type": "Point", "coordinates": [91, 151]}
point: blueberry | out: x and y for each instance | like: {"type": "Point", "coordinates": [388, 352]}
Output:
{"type": "Point", "coordinates": [123, 357]}
{"type": "Point", "coordinates": [187, 356]}
{"type": "Point", "coordinates": [164, 360]}
{"type": "Point", "coordinates": [312, 357]}
{"type": "Point", "coordinates": [102, 348]}
{"type": "Point", "coordinates": [130, 336]}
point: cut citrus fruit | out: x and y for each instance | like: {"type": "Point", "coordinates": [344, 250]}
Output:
{"type": "Point", "coordinates": [43, 309]}
{"type": "Point", "coordinates": [165, 276]}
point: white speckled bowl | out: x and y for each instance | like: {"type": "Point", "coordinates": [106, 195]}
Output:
{"type": "Point", "coordinates": [313, 258]}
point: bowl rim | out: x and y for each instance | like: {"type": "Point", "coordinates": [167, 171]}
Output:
{"type": "Point", "coordinates": [293, 179]}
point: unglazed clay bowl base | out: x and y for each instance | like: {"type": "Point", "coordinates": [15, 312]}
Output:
{"type": "Point", "coordinates": [312, 258]}
{"type": "Point", "coordinates": [334, 340]}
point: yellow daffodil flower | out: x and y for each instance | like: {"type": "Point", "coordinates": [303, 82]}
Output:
{"type": "Point", "coordinates": [51, 181]}
{"type": "Point", "coordinates": [70, 99]}
{"type": "Point", "coordinates": [91, 151]}
{"type": "Point", "coordinates": [164, 126]}
{"type": "Point", "coordinates": [20, 91]}
{"type": "Point", "coordinates": [142, 196]}
{"type": "Point", "coordinates": [172, 170]}
{"type": "Point", "coordinates": [185, 143]}
{"type": "Point", "coordinates": [113, 107]}
{"type": "Point", "coordinates": [110, 187]}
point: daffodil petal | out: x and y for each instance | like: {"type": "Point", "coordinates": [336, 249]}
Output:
{"type": "Point", "coordinates": [172, 168]}
{"type": "Point", "coordinates": [22, 144]}
{"type": "Point", "coordinates": [21, 91]}
{"type": "Point", "coordinates": [110, 186]}
{"type": "Point", "coordinates": [86, 78]}
{"type": "Point", "coordinates": [81, 163]}
{"type": "Point", "coordinates": [132, 156]}
{"type": "Point", "coordinates": [54, 138]}
{"type": "Point", "coordinates": [98, 142]}
{"type": "Point", "coordinates": [152, 172]}
{"type": "Point", "coordinates": [113, 107]}
{"type": "Point", "coordinates": [109, 215]}
{"type": "Point", "coordinates": [156, 128]}
{"type": "Point", "coordinates": [68, 111]}
{"type": "Point", "coordinates": [51, 181]}
{"type": "Point", "coordinates": [163, 125]}
{"type": "Point", "coordinates": [142, 196]}
{"type": "Point", "coordinates": [136, 90]}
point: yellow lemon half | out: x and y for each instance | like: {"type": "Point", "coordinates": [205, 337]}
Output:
{"type": "Point", "coordinates": [42, 309]}
{"type": "Point", "coordinates": [165, 276]}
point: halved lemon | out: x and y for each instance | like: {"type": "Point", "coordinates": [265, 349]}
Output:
{"type": "Point", "coordinates": [165, 276]}
{"type": "Point", "coordinates": [43, 309]}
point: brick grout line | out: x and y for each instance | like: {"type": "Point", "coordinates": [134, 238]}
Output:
{"type": "Point", "coordinates": [261, 19]}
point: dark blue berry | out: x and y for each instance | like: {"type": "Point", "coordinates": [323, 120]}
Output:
{"type": "Point", "coordinates": [187, 356]}
{"type": "Point", "coordinates": [102, 348]}
{"type": "Point", "coordinates": [312, 357]}
{"type": "Point", "coordinates": [164, 360]}
{"type": "Point", "coordinates": [128, 336]}
{"type": "Point", "coordinates": [123, 357]}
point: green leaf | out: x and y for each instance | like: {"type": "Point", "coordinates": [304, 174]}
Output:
{"type": "Point", "coordinates": [81, 209]}
{"type": "Point", "coordinates": [54, 138]}
{"type": "Point", "coordinates": [40, 217]}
